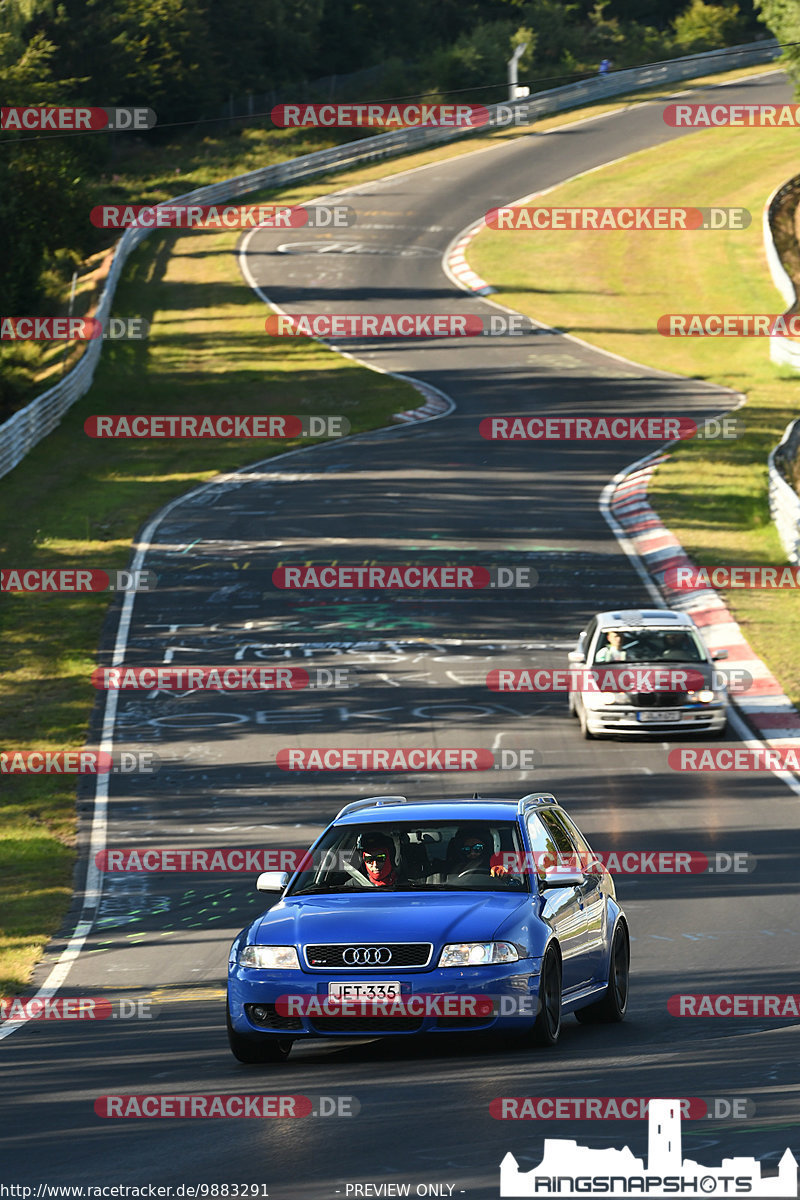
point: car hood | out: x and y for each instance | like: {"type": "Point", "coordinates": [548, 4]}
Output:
{"type": "Point", "coordinates": [699, 674]}
{"type": "Point", "coordinates": [395, 917]}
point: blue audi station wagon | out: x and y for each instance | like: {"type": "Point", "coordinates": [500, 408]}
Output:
{"type": "Point", "coordinates": [411, 918]}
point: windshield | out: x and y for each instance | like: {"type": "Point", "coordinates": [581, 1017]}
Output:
{"type": "Point", "coordinates": [475, 856]}
{"type": "Point", "coordinates": [649, 645]}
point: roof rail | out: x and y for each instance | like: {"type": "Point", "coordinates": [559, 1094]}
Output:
{"type": "Point", "coordinates": [533, 800]}
{"type": "Point", "coordinates": [370, 802]}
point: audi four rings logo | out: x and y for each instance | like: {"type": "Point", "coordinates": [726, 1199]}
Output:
{"type": "Point", "coordinates": [367, 956]}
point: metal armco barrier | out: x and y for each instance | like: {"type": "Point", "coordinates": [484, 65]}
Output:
{"type": "Point", "coordinates": [782, 350]}
{"type": "Point", "coordinates": [27, 427]}
{"type": "Point", "coordinates": [784, 502]}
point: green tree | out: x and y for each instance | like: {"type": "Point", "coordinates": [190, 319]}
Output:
{"type": "Point", "coordinates": [704, 26]}
{"type": "Point", "coordinates": [783, 20]}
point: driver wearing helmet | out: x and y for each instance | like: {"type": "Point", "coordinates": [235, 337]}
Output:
{"type": "Point", "coordinates": [375, 856]}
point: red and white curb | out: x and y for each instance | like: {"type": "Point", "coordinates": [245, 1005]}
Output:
{"type": "Point", "coordinates": [768, 711]}
{"type": "Point", "coordinates": [436, 403]}
{"type": "Point", "coordinates": [458, 269]}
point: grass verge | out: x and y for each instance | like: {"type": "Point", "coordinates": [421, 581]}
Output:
{"type": "Point", "coordinates": [610, 288]}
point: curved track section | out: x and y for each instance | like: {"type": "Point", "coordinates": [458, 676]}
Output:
{"type": "Point", "coordinates": [420, 662]}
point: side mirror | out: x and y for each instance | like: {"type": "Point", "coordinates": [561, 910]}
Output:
{"type": "Point", "coordinates": [718, 654]}
{"type": "Point", "coordinates": [576, 656]}
{"type": "Point", "coordinates": [555, 878]}
{"type": "Point", "coordinates": [272, 881]}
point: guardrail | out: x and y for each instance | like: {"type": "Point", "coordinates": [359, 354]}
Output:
{"type": "Point", "coordinates": [782, 350]}
{"type": "Point", "coordinates": [784, 502]}
{"type": "Point", "coordinates": [20, 433]}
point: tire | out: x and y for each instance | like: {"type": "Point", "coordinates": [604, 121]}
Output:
{"type": "Point", "coordinates": [614, 1002]}
{"type": "Point", "coordinates": [573, 712]}
{"type": "Point", "coordinates": [251, 1050]}
{"type": "Point", "coordinates": [547, 1025]}
{"type": "Point", "coordinates": [584, 726]}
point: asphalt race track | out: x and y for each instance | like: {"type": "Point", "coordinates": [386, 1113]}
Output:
{"type": "Point", "coordinates": [432, 491]}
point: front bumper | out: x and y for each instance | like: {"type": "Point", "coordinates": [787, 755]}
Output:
{"type": "Point", "coordinates": [643, 722]}
{"type": "Point", "coordinates": [514, 988]}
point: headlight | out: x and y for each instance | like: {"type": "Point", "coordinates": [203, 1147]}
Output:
{"type": "Point", "coordinates": [477, 954]}
{"type": "Point", "coordinates": [273, 958]}
{"type": "Point", "coordinates": [706, 696]}
{"type": "Point", "coordinates": [601, 699]}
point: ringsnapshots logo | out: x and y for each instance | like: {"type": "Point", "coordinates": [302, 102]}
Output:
{"type": "Point", "coordinates": [76, 119]}
{"type": "Point", "coordinates": [570, 1170]}
{"type": "Point", "coordinates": [402, 577]}
{"type": "Point", "coordinates": [381, 115]}
{"type": "Point", "coordinates": [397, 325]}
{"type": "Point", "coordinates": [73, 329]}
{"type": "Point", "coordinates": [228, 216]}
{"type": "Point", "coordinates": [75, 580]}
{"type": "Point", "coordinates": [532, 218]}
{"type": "Point", "coordinates": [227, 425]}
{"type": "Point", "coordinates": [608, 429]}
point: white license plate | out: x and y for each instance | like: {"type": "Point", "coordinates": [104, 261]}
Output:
{"type": "Point", "coordinates": [659, 714]}
{"type": "Point", "coordinates": [364, 990]}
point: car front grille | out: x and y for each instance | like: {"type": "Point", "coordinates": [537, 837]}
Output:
{"type": "Point", "coordinates": [658, 699]}
{"type": "Point", "coordinates": [368, 956]}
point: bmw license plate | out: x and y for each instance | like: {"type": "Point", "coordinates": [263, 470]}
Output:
{"type": "Point", "coordinates": [661, 715]}
{"type": "Point", "coordinates": [364, 991]}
